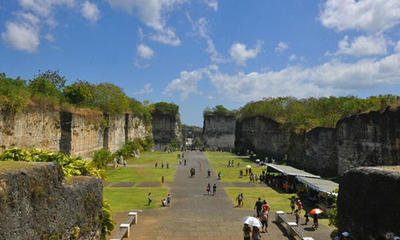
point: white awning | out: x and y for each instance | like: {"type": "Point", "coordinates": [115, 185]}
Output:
{"type": "Point", "coordinates": [291, 171]}
{"type": "Point", "coordinates": [318, 184]}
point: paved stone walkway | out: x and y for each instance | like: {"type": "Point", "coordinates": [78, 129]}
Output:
{"type": "Point", "coordinates": [195, 215]}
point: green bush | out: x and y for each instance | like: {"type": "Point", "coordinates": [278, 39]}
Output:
{"type": "Point", "coordinates": [14, 94]}
{"type": "Point", "coordinates": [110, 98]}
{"type": "Point", "coordinates": [102, 157]}
{"type": "Point", "coordinates": [219, 110]}
{"type": "Point", "coordinates": [165, 108]}
{"type": "Point", "coordinates": [108, 223]}
{"type": "Point", "coordinates": [71, 166]}
{"type": "Point", "coordinates": [80, 93]}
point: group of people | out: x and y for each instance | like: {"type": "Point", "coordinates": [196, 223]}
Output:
{"type": "Point", "coordinates": [164, 202]}
{"type": "Point", "coordinates": [230, 163]}
{"type": "Point", "coordinates": [297, 205]}
{"type": "Point", "coordinates": [262, 210]}
{"type": "Point", "coordinates": [162, 165]}
{"type": "Point", "coordinates": [214, 189]}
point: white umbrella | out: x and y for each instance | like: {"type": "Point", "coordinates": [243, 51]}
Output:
{"type": "Point", "coordinates": [257, 160]}
{"type": "Point", "coordinates": [252, 221]}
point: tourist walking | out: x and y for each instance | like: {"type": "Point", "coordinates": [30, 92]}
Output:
{"type": "Point", "coordinates": [299, 205]}
{"type": "Point", "coordinates": [242, 199]}
{"type": "Point", "coordinates": [219, 175]}
{"type": "Point", "coordinates": [258, 207]}
{"type": "Point", "coordinates": [184, 162]}
{"type": "Point", "coordinates": [297, 216]}
{"type": "Point", "coordinates": [168, 199]}
{"type": "Point", "coordinates": [167, 165]}
{"type": "Point", "coordinates": [292, 204]}
{"type": "Point", "coordinates": [208, 188]}
{"type": "Point", "coordinates": [239, 200]}
{"type": "Point", "coordinates": [307, 217]}
{"type": "Point", "coordinates": [214, 189]}
{"type": "Point", "coordinates": [155, 165]}
{"type": "Point", "coordinates": [315, 222]}
{"type": "Point", "coordinates": [264, 220]}
{"type": "Point", "coordinates": [246, 232]}
{"type": "Point", "coordinates": [255, 235]}
{"type": "Point", "coordinates": [208, 173]}
{"type": "Point", "coordinates": [149, 199]}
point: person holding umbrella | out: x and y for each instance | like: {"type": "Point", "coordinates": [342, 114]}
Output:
{"type": "Point", "coordinates": [246, 232]}
{"type": "Point", "coordinates": [256, 234]}
{"type": "Point", "coordinates": [315, 213]}
{"type": "Point", "coordinates": [255, 223]}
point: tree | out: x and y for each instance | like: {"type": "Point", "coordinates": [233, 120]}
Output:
{"type": "Point", "coordinates": [80, 93]}
{"type": "Point", "coordinates": [110, 98]}
{"type": "Point", "coordinates": [13, 94]}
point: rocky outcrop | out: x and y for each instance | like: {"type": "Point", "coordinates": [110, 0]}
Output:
{"type": "Point", "coordinates": [35, 127]}
{"type": "Point", "coordinates": [35, 203]}
{"type": "Point", "coordinates": [219, 132]}
{"type": "Point", "coordinates": [369, 139]}
{"type": "Point", "coordinates": [321, 152]}
{"type": "Point", "coordinates": [262, 135]}
{"type": "Point", "coordinates": [368, 202]}
{"type": "Point", "coordinates": [77, 132]}
{"type": "Point", "coordinates": [166, 128]}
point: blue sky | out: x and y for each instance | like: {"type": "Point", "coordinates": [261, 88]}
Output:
{"type": "Point", "coordinates": [199, 53]}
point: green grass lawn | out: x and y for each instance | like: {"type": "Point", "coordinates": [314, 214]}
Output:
{"type": "Point", "coordinates": [126, 199]}
{"type": "Point", "coordinates": [218, 158]}
{"type": "Point", "coordinates": [153, 157]}
{"type": "Point", "coordinates": [232, 174]}
{"type": "Point", "coordinates": [277, 201]}
{"type": "Point", "coordinates": [137, 175]}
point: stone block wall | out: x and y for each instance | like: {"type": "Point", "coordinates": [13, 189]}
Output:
{"type": "Point", "coordinates": [219, 132]}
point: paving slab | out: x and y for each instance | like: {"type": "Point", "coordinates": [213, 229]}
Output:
{"type": "Point", "coordinates": [149, 184]}
{"type": "Point", "coordinates": [123, 184]}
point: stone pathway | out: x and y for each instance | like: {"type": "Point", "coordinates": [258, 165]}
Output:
{"type": "Point", "coordinates": [195, 215]}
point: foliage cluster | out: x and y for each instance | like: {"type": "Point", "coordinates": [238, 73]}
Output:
{"type": "Point", "coordinates": [304, 114]}
{"type": "Point", "coordinates": [165, 109]}
{"type": "Point", "coordinates": [48, 88]}
{"type": "Point", "coordinates": [219, 110]}
{"type": "Point", "coordinates": [71, 166]}
{"type": "Point", "coordinates": [108, 223]}
{"type": "Point", "coordinates": [102, 157]}
{"type": "Point", "coordinates": [136, 144]}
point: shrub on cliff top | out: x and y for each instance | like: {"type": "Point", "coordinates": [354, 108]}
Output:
{"type": "Point", "coordinates": [14, 94]}
{"type": "Point", "coordinates": [110, 98]}
{"type": "Point", "coordinates": [219, 110]}
{"type": "Point", "coordinates": [71, 166]}
{"type": "Point", "coordinates": [165, 108]}
{"type": "Point", "coordinates": [80, 93]}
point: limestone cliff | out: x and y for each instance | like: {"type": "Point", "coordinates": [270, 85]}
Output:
{"type": "Point", "coordinates": [35, 203]}
{"type": "Point", "coordinates": [166, 128]}
{"type": "Point", "coordinates": [77, 132]}
{"type": "Point", "coordinates": [219, 132]}
{"type": "Point", "coordinates": [369, 139]}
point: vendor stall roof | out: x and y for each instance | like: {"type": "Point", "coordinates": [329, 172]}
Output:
{"type": "Point", "coordinates": [318, 184]}
{"type": "Point", "coordinates": [288, 170]}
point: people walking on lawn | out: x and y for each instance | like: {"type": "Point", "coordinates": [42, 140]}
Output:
{"type": "Point", "coordinates": [208, 188]}
{"type": "Point", "coordinates": [307, 217]}
{"type": "Point", "coordinates": [149, 199]}
{"type": "Point", "coordinates": [219, 175]}
{"type": "Point", "coordinates": [167, 165]}
{"type": "Point", "coordinates": [155, 165]}
{"type": "Point", "coordinates": [258, 206]}
{"type": "Point", "coordinates": [239, 200]}
{"type": "Point", "coordinates": [299, 205]}
{"type": "Point", "coordinates": [242, 202]}
{"type": "Point", "coordinates": [246, 232]}
{"type": "Point", "coordinates": [214, 189]}
{"type": "Point", "coordinates": [255, 235]}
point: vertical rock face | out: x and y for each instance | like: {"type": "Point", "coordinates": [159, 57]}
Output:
{"type": "Point", "coordinates": [137, 128]}
{"type": "Point", "coordinates": [166, 128]}
{"type": "Point", "coordinates": [368, 202]}
{"type": "Point", "coordinates": [262, 135]}
{"type": "Point", "coordinates": [114, 135]}
{"type": "Point", "coordinates": [369, 139]}
{"type": "Point", "coordinates": [36, 204]}
{"type": "Point", "coordinates": [219, 132]}
{"type": "Point", "coordinates": [87, 131]}
{"type": "Point", "coordinates": [320, 151]}
{"type": "Point", "coordinates": [32, 128]}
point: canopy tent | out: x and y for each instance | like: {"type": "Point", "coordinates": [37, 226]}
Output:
{"type": "Point", "coordinates": [318, 184]}
{"type": "Point", "coordinates": [291, 171]}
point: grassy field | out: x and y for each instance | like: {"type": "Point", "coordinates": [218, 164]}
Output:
{"type": "Point", "coordinates": [218, 158]}
{"type": "Point", "coordinates": [137, 175]}
{"type": "Point", "coordinates": [232, 174]}
{"type": "Point", "coordinates": [126, 199]}
{"type": "Point", "coordinates": [153, 157]}
{"type": "Point", "coordinates": [276, 201]}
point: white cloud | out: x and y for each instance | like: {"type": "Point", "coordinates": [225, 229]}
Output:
{"type": "Point", "coordinates": [153, 14]}
{"type": "Point", "coordinates": [331, 78]}
{"type": "Point", "coordinates": [23, 36]}
{"type": "Point", "coordinates": [240, 54]}
{"type": "Point", "coordinates": [363, 46]}
{"type": "Point", "coordinates": [90, 11]}
{"type": "Point", "coordinates": [144, 51]}
{"type": "Point", "coordinates": [282, 46]}
{"type": "Point", "coordinates": [147, 89]}
{"type": "Point", "coordinates": [397, 47]}
{"type": "Point", "coordinates": [49, 37]}
{"type": "Point", "coordinates": [212, 4]}
{"type": "Point", "coordinates": [200, 29]}
{"type": "Point", "coordinates": [44, 8]}
{"type": "Point", "coordinates": [186, 84]}
{"type": "Point", "coordinates": [292, 57]}
{"type": "Point", "coordinates": [366, 15]}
